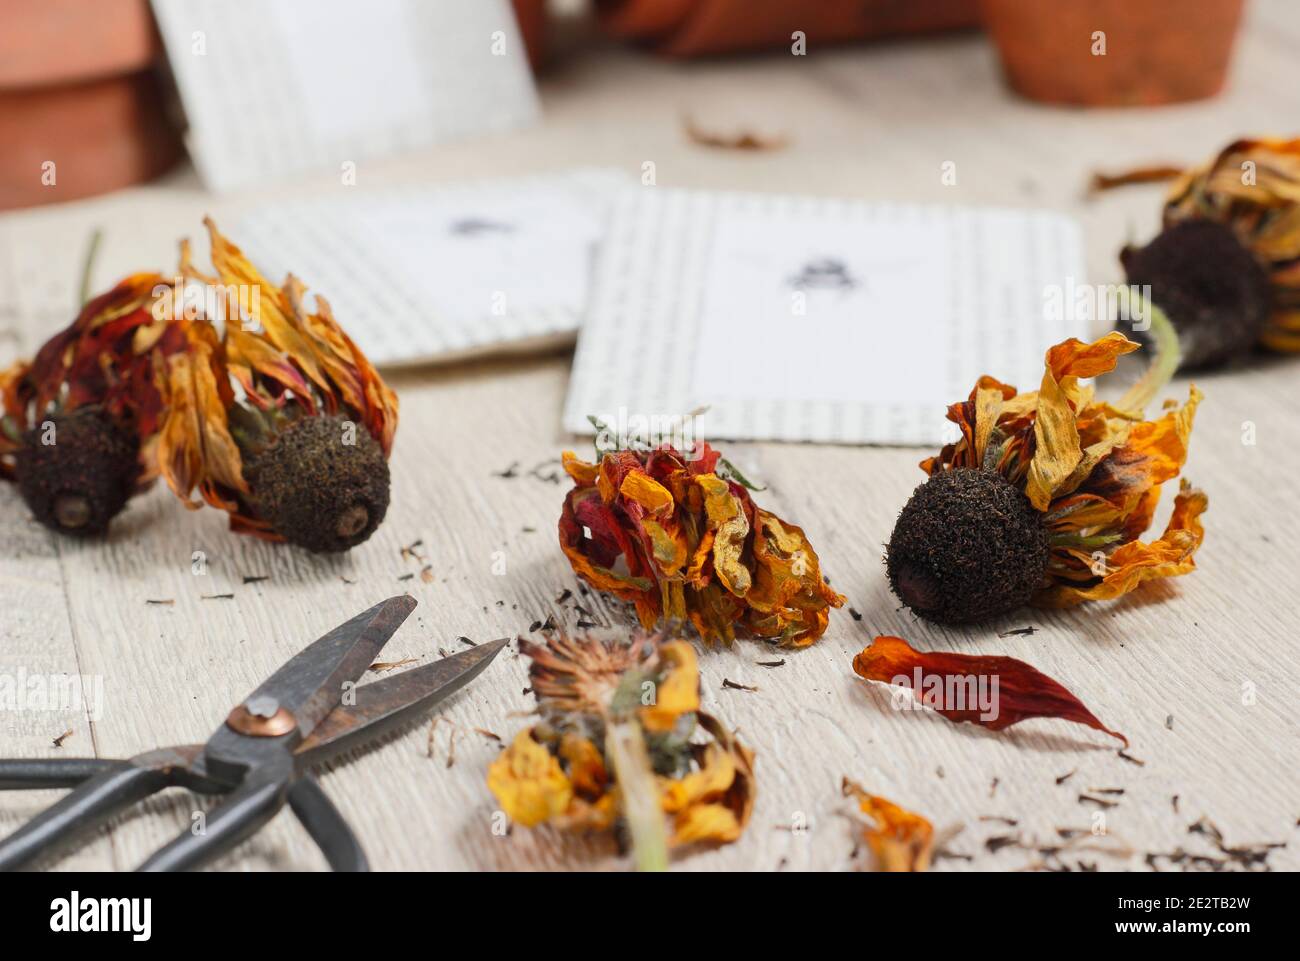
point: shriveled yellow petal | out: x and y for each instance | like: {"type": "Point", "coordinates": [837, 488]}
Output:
{"type": "Point", "coordinates": [717, 771]}
{"type": "Point", "coordinates": [730, 527]}
{"type": "Point", "coordinates": [585, 764]}
{"type": "Point", "coordinates": [705, 822]}
{"type": "Point", "coordinates": [1153, 452]}
{"type": "Point", "coordinates": [1057, 451]}
{"type": "Point", "coordinates": [679, 691]}
{"type": "Point", "coordinates": [899, 839]}
{"type": "Point", "coordinates": [988, 407]}
{"type": "Point", "coordinates": [195, 448]}
{"type": "Point", "coordinates": [582, 472]}
{"type": "Point", "coordinates": [1132, 563]}
{"type": "Point", "coordinates": [528, 782]}
{"type": "Point", "coordinates": [643, 489]}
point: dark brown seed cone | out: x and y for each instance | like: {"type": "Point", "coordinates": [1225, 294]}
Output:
{"type": "Point", "coordinates": [968, 546]}
{"type": "Point", "coordinates": [78, 483]}
{"type": "Point", "coordinates": [1214, 290]}
{"type": "Point", "coordinates": [317, 490]}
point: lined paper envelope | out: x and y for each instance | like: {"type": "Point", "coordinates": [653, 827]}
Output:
{"type": "Point", "coordinates": [275, 87]}
{"type": "Point", "coordinates": [439, 273]}
{"type": "Point", "coordinates": [810, 319]}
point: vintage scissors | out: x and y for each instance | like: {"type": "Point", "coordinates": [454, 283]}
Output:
{"type": "Point", "coordinates": [308, 712]}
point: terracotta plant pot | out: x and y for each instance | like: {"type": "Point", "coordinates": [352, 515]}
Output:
{"type": "Point", "coordinates": [79, 90]}
{"type": "Point", "coordinates": [693, 28]}
{"type": "Point", "coordinates": [100, 136]}
{"type": "Point", "coordinates": [531, 16]}
{"type": "Point", "coordinates": [1156, 51]}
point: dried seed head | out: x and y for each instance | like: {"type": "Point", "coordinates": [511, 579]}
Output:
{"type": "Point", "coordinates": [322, 482]}
{"type": "Point", "coordinates": [968, 546]}
{"type": "Point", "coordinates": [77, 471]}
{"type": "Point", "coordinates": [1213, 289]}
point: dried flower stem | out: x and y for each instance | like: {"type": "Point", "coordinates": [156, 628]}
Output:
{"type": "Point", "coordinates": [88, 265]}
{"type": "Point", "coordinates": [1168, 355]}
{"type": "Point", "coordinates": [639, 794]}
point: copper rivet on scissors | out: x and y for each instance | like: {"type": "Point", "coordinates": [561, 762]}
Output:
{"type": "Point", "coordinates": [262, 717]}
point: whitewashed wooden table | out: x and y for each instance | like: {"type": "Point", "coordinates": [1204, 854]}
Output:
{"type": "Point", "coordinates": [1200, 673]}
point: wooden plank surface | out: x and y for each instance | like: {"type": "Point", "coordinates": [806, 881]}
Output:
{"type": "Point", "coordinates": [1201, 673]}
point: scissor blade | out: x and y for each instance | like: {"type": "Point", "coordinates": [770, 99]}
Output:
{"type": "Point", "coordinates": [311, 683]}
{"type": "Point", "coordinates": [385, 704]}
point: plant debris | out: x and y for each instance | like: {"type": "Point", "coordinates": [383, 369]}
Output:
{"type": "Point", "coordinates": [951, 685]}
{"type": "Point", "coordinates": [899, 839]}
{"type": "Point", "coordinates": [777, 663]}
{"type": "Point", "coordinates": [58, 741]}
{"type": "Point", "coordinates": [379, 667]}
{"type": "Point", "coordinates": [1142, 175]}
{"type": "Point", "coordinates": [162, 601]}
{"type": "Point", "coordinates": [743, 140]}
{"type": "Point", "coordinates": [1100, 802]}
{"type": "Point", "coordinates": [734, 686]}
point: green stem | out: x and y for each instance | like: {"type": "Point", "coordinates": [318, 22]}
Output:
{"type": "Point", "coordinates": [1168, 354]}
{"type": "Point", "coordinates": [88, 264]}
{"type": "Point", "coordinates": [639, 793]}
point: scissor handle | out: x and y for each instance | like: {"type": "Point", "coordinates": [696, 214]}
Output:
{"type": "Point", "coordinates": [83, 809]}
{"type": "Point", "coordinates": [326, 826]}
{"type": "Point", "coordinates": [20, 774]}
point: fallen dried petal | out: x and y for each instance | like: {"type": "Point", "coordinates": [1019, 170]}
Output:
{"type": "Point", "coordinates": [991, 691]}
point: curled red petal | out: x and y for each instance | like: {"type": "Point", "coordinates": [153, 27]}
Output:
{"type": "Point", "coordinates": [950, 684]}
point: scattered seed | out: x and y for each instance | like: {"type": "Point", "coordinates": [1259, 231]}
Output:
{"type": "Point", "coordinates": [777, 663]}
{"type": "Point", "coordinates": [168, 602]}
{"type": "Point", "coordinates": [58, 741]}
{"type": "Point", "coordinates": [256, 578]}
{"type": "Point", "coordinates": [726, 682]}
{"type": "Point", "coordinates": [1020, 632]}
{"type": "Point", "coordinates": [1065, 777]}
{"type": "Point", "coordinates": [216, 597]}
{"type": "Point", "coordinates": [465, 640]}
